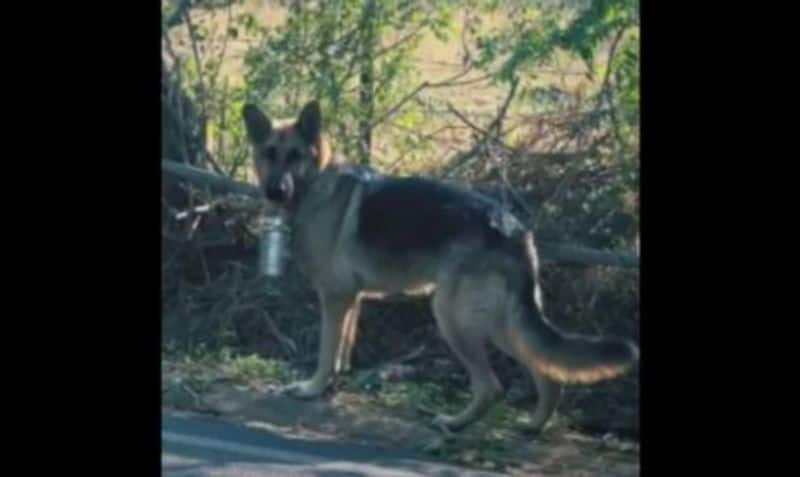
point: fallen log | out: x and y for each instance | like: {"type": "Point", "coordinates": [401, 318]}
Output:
{"type": "Point", "coordinates": [205, 179]}
{"type": "Point", "coordinates": [560, 253]}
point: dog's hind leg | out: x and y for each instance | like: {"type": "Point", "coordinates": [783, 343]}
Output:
{"type": "Point", "coordinates": [470, 348]}
{"type": "Point", "coordinates": [549, 395]}
{"type": "Point", "coordinates": [335, 308]}
{"type": "Point", "coordinates": [548, 391]}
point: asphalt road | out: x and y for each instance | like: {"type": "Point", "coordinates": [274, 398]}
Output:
{"type": "Point", "coordinates": [199, 446]}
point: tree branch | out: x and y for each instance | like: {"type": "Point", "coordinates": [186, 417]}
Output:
{"type": "Point", "coordinates": [404, 39]}
{"type": "Point", "coordinates": [492, 134]}
{"type": "Point", "coordinates": [201, 93]}
{"type": "Point", "coordinates": [606, 89]}
{"type": "Point", "coordinates": [466, 120]}
{"type": "Point", "coordinates": [497, 124]}
{"type": "Point", "coordinates": [425, 84]}
{"type": "Point", "coordinates": [177, 16]}
{"type": "Point", "coordinates": [203, 178]}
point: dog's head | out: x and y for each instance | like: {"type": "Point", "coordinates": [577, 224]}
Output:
{"type": "Point", "coordinates": [286, 157]}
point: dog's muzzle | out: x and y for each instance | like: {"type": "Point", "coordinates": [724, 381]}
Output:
{"type": "Point", "coordinates": [280, 188]}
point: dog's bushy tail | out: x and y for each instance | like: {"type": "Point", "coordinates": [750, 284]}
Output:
{"type": "Point", "coordinates": [563, 357]}
{"type": "Point", "coordinates": [568, 358]}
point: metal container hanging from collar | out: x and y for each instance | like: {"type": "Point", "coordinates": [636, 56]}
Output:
{"type": "Point", "coordinates": [273, 247]}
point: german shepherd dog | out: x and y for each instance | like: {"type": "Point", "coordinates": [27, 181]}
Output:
{"type": "Point", "coordinates": [356, 231]}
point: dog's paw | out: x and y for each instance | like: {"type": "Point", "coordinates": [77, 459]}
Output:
{"type": "Point", "coordinates": [302, 390]}
{"type": "Point", "coordinates": [341, 366]}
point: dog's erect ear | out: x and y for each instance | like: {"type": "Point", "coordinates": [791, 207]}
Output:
{"type": "Point", "coordinates": [309, 124]}
{"type": "Point", "coordinates": [257, 123]}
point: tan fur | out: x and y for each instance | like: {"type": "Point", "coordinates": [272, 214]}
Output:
{"type": "Point", "coordinates": [324, 155]}
{"type": "Point", "coordinates": [565, 374]}
{"type": "Point", "coordinates": [345, 351]}
{"type": "Point", "coordinates": [477, 292]}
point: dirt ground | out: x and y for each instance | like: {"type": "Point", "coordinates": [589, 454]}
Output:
{"type": "Point", "coordinates": [354, 417]}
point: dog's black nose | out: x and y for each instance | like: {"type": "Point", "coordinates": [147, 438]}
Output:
{"type": "Point", "coordinates": [280, 190]}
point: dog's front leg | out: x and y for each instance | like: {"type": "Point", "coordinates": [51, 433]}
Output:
{"type": "Point", "coordinates": [335, 306]}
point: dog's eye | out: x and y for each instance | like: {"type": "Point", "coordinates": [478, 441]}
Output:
{"type": "Point", "coordinates": [293, 156]}
{"type": "Point", "coordinates": [270, 153]}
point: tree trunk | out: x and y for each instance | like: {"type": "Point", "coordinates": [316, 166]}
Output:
{"type": "Point", "coordinates": [182, 127]}
{"type": "Point", "coordinates": [366, 97]}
